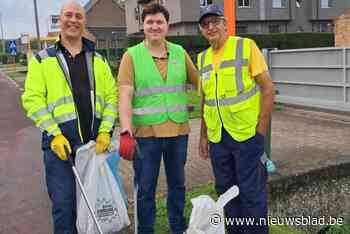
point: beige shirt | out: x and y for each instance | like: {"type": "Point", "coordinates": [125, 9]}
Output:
{"type": "Point", "coordinates": [168, 128]}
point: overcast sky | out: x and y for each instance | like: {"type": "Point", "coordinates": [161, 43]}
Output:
{"type": "Point", "coordinates": [17, 16]}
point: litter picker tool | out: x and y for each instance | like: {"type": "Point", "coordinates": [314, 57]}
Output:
{"type": "Point", "coordinates": [81, 186]}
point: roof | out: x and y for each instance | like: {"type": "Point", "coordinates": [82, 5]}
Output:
{"type": "Point", "coordinates": [91, 3]}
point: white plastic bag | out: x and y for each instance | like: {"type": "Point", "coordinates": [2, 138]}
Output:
{"type": "Point", "coordinates": [207, 216]}
{"type": "Point", "coordinates": [102, 191]}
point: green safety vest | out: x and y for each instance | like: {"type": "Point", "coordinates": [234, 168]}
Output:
{"type": "Point", "coordinates": [48, 98]}
{"type": "Point", "coordinates": [232, 97]}
{"type": "Point", "coordinates": [155, 99]}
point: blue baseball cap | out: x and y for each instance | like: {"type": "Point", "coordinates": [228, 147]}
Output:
{"type": "Point", "coordinates": [211, 9]}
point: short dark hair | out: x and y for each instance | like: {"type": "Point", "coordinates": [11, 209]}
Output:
{"type": "Point", "coordinates": [155, 8]}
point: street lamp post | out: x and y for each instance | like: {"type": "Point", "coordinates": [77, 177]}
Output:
{"type": "Point", "coordinates": [2, 34]}
{"type": "Point", "coordinates": [230, 14]}
{"type": "Point", "coordinates": [37, 24]}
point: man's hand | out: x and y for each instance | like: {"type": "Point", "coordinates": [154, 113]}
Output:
{"type": "Point", "coordinates": [127, 145]}
{"type": "Point", "coordinates": [262, 126]}
{"type": "Point", "coordinates": [58, 144]}
{"type": "Point", "coordinates": [102, 142]}
{"type": "Point", "coordinates": [203, 147]}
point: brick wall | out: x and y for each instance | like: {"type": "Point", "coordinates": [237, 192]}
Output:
{"type": "Point", "coordinates": [342, 30]}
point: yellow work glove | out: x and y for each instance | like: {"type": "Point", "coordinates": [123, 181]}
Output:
{"type": "Point", "coordinates": [57, 145]}
{"type": "Point", "coordinates": [102, 142]}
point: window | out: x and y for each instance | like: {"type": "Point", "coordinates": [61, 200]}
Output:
{"type": "Point", "coordinates": [137, 13]}
{"type": "Point", "coordinates": [242, 29]}
{"type": "Point", "coordinates": [274, 28]}
{"type": "Point", "coordinates": [279, 3]}
{"type": "Point", "coordinates": [326, 27]}
{"type": "Point", "coordinates": [327, 3]}
{"type": "Point", "coordinates": [243, 3]}
{"type": "Point", "coordinates": [204, 3]}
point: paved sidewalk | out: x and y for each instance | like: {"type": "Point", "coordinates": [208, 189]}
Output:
{"type": "Point", "coordinates": [300, 140]}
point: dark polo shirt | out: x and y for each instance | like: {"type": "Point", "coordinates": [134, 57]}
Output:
{"type": "Point", "coordinates": [81, 88]}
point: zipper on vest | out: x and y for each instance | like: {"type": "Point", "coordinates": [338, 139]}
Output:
{"type": "Point", "coordinates": [216, 98]}
{"type": "Point", "coordinates": [92, 98]}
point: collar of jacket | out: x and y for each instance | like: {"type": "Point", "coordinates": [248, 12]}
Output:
{"type": "Point", "coordinates": [88, 45]}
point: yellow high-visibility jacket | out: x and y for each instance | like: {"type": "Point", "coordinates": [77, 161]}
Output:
{"type": "Point", "coordinates": [232, 97]}
{"type": "Point", "coordinates": [48, 98]}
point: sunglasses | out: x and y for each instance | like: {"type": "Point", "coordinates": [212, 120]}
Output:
{"type": "Point", "coordinates": [214, 20]}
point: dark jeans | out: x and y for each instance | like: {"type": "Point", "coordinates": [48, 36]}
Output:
{"type": "Point", "coordinates": [238, 163]}
{"type": "Point", "coordinates": [61, 188]}
{"type": "Point", "coordinates": [147, 165]}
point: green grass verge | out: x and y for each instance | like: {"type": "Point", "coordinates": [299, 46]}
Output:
{"type": "Point", "coordinates": [277, 107]}
{"type": "Point", "coordinates": [339, 229]}
{"type": "Point", "coordinates": [16, 72]}
{"type": "Point", "coordinates": [162, 226]}
{"type": "Point", "coordinates": [9, 65]}
{"type": "Point", "coordinates": [15, 75]}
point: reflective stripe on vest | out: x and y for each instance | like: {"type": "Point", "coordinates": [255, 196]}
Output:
{"type": "Point", "coordinates": [156, 90]}
{"type": "Point", "coordinates": [64, 67]}
{"type": "Point", "coordinates": [57, 120]}
{"type": "Point", "coordinates": [100, 101]}
{"type": "Point", "coordinates": [109, 107]}
{"type": "Point", "coordinates": [59, 102]}
{"type": "Point", "coordinates": [45, 124]}
{"type": "Point", "coordinates": [207, 68]}
{"type": "Point", "coordinates": [39, 114]}
{"type": "Point", "coordinates": [156, 99]}
{"type": "Point", "coordinates": [233, 100]}
{"type": "Point", "coordinates": [109, 118]}
{"type": "Point", "coordinates": [154, 110]}
{"type": "Point", "coordinates": [238, 64]}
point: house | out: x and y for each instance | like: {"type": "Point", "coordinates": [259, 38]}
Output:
{"type": "Point", "coordinates": [106, 22]}
{"type": "Point", "coordinates": [253, 16]}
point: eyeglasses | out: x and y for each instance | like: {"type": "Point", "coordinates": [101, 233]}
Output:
{"type": "Point", "coordinates": [215, 20]}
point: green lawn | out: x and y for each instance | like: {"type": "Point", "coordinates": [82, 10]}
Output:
{"type": "Point", "coordinates": [339, 229]}
{"type": "Point", "coordinates": [162, 226]}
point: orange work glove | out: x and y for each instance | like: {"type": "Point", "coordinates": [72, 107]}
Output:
{"type": "Point", "coordinates": [102, 142]}
{"type": "Point", "coordinates": [127, 146]}
{"type": "Point", "coordinates": [57, 145]}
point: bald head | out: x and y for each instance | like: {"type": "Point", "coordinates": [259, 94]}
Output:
{"type": "Point", "coordinates": [72, 4]}
{"type": "Point", "coordinates": [72, 20]}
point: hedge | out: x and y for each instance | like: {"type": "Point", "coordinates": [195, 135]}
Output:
{"type": "Point", "coordinates": [272, 40]}
{"type": "Point", "coordinates": [7, 58]}
{"type": "Point", "coordinates": [112, 54]}
{"type": "Point", "coordinates": [292, 40]}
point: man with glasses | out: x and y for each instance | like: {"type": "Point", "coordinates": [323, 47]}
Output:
{"type": "Point", "coordinates": [237, 100]}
